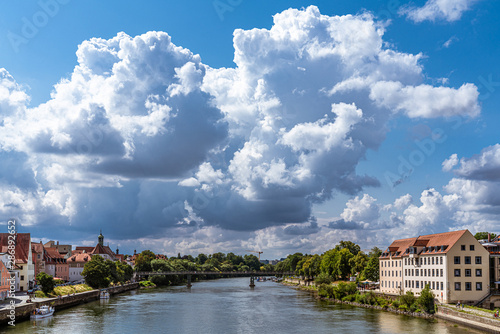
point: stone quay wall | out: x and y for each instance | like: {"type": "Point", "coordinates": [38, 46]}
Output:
{"type": "Point", "coordinates": [23, 311]}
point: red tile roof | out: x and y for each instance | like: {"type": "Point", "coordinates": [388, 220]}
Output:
{"type": "Point", "coordinates": [80, 258]}
{"type": "Point", "coordinates": [22, 245]}
{"type": "Point", "coordinates": [86, 249]}
{"type": "Point", "coordinates": [399, 248]}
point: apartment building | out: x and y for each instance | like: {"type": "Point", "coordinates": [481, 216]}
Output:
{"type": "Point", "coordinates": [454, 264]}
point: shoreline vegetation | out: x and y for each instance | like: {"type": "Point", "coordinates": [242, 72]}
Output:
{"type": "Point", "coordinates": [348, 293]}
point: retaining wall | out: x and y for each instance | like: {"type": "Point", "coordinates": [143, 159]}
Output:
{"type": "Point", "coordinates": [24, 310]}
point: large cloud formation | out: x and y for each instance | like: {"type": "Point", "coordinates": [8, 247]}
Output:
{"type": "Point", "coordinates": [145, 139]}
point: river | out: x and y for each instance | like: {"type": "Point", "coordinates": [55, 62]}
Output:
{"type": "Point", "coordinates": [227, 306]}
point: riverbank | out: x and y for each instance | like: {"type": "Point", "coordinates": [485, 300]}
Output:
{"type": "Point", "coordinates": [23, 311]}
{"type": "Point", "coordinates": [476, 319]}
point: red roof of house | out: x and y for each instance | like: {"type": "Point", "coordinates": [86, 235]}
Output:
{"type": "Point", "coordinates": [22, 245]}
{"type": "Point", "coordinates": [86, 249]}
{"type": "Point", "coordinates": [80, 258]}
{"type": "Point", "coordinates": [399, 248]}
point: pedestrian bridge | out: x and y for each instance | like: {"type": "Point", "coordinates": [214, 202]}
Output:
{"type": "Point", "coordinates": [251, 274]}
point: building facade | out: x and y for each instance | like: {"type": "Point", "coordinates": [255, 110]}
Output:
{"type": "Point", "coordinates": [454, 265]}
{"type": "Point", "coordinates": [24, 259]}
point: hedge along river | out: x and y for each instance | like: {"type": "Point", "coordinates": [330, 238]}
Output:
{"type": "Point", "coordinates": [227, 306]}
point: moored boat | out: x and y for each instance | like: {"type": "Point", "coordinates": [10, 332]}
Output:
{"type": "Point", "coordinates": [42, 312]}
{"type": "Point", "coordinates": [104, 294]}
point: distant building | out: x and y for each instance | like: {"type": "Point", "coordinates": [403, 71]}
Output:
{"type": "Point", "coordinates": [64, 250]}
{"type": "Point", "coordinates": [76, 264]}
{"type": "Point", "coordinates": [101, 250]}
{"type": "Point", "coordinates": [56, 264]}
{"type": "Point", "coordinates": [453, 264]}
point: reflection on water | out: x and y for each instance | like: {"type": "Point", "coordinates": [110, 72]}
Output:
{"type": "Point", "coordinates": [227, 306]}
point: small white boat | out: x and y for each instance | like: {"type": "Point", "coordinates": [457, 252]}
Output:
{"type": "Point", "coordinates": [104, 294]}
{"type": "Point", "coordinates": [42, 312]}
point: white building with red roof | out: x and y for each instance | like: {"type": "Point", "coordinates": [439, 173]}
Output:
{"type": "Point", "coordinates": [454, 264]}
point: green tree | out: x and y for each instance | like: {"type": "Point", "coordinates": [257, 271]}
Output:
{"type": "Point", "coordinates": [114, 275]}
{"type": "Point", "coordinates": [329, 262]}
{"type": "Point", "coordinates": [351, 246]}
{"type": "Point", "coordinates": [426, 299]}
{"type": "Point", "coordinates": [143, 260]}
{"type": "Point", "coordinates": [323, 278]}
{"type": "Point", "coordinates": [201, 258]}
{"type": "Point", "coordinates": [358, 262]}
{"type": "Point", "coordinates": [484, 235]}
{"type": "Point", "coordinates": [126, 270]}
{"type": "Point", "coordinates": [252, 261]}
{"type": "Point", "coordinates": [96, 273]}
{"type": "Point", "coordinates": [343, 263]}
{"type": "Point", "coordinates": [46, 281]}
{"type": "Point", "coordinates": [372, 268]}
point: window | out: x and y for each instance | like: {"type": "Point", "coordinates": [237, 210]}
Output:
{"type": "Point", "coordinates": [479, 272]}
{"type": "Point", "coordinates": [441, 285]}
{"type": "Point", "coordinates": [468, 273]}
{"type": "Point", "coordinates": [471, 247]}
{"type": "Point", "coordinates": [425, 272]}
{"type": "Point", "coordinates": [432, 263]}
{"type": "Point", "coordinates": [467, 260]}
{"type": "Point", "coordinates": [22, 277]}
{"type": "Point", "coordinates": [425, 260]}
{"type": "Point", "coordinates": [468, 286]}
{"type": "Point", "coordinates": [478, 260]}
{"type": "Point", "coordinates": [462, 247]}
{"type": "Point", "coordinates": [456, 260]}
{"type": "Point", "coordinates": [441, 273]}
{"type": "Point", "coordinates": [412, 284]}
{"type": "Point", "coordinates": [457, 286]}
{"type": "Point", "coordinates": [417, 284]}
{"type": "Point", "coordinates": [432, 272]}
{"type": "Point", "coordinates": [457, 272]}
{"type": "Point", "coordinates": [479, 286]}
{"type": "Point", "coordinates": [416, 273]}
{"type": "Point", "coordinates": [441, 261]}
{"type": "Point", "coordinates": [433, 286]}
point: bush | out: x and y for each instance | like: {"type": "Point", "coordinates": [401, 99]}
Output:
{"type": "Point", "coordinates": [426, 300]}
{"type": "Point", "coordinates": [147, 284]}
{"type": "Point", "coordinates": [382, 302]}
{"type": "Point", "coordinates": [408, 299]}
{"type": "Point", "coordinates": [323, 278]}
{"type": "Point", "coordinates": [349, 298]}
{"type": "Point", "coordinates": [396, 303]}
{"type": "Point", "coordinates": [326, 290]}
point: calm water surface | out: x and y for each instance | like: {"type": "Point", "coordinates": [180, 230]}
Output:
{"type": "Point", "coordinates": [227, 306]}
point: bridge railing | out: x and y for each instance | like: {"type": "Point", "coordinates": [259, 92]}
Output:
{"type": "Point", "coordinates": [240, 273]}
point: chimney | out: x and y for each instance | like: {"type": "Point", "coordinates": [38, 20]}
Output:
{"type": "Point", "coordinates": [489, 237]}
{"type": "Point", "coordinates": [57, 243]}
{"type": "Point", "coordinates": [135, 252]}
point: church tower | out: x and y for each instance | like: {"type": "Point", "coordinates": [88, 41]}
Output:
{"type": "Point", "coordinates": [101, 239]}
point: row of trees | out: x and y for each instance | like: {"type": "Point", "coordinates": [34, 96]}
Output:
{"type": "Point", "coordinates": [340, 262]}
{"type": "Point", "coordinates": [344, 260]}
{"type": "Point", "coordinates": [99, 273]}
{"type": "Point", "coordinates": [146, 261]}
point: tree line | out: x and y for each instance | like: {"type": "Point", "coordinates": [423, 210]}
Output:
{"type": "Point", "coordinates": [339, 263]}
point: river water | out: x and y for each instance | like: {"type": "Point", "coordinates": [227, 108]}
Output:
{"type": "Point", "coordinates": [227, 306]}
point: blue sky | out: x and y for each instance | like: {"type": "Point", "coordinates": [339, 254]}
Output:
{"type": "Point", "coordinates": [203, 126]}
